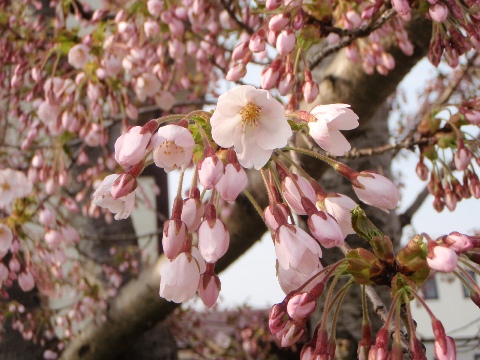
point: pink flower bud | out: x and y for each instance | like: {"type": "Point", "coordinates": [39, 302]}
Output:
{"type": "Point", "coordinates": [278, 22]}
{"type": "Point", "coordinates": [236, 72]}
{"type": "Point", "coordinates": [310, 91]}
{"type": "Point", "coordinates": [151, 28]}
{"type": "Point", "coordinates": [458, 242]}
{"type": "Point", "coordinates": [301, 306]}
{"type": "Point", "coordinates": [26, 281]}
{"type": "Point", "coordinates": [441, 258]}
{"type": "Point", "coordinates": [155, 7]}
{"type": "Point", "coordinates": [273, 4]}
{"type": "Point", "coordinates": [401, 6]}
{"type": "Point", "coordinates": [438, 12]}
{"type": "Point", "coordinates": [130, 148]}
{"type": "Point", "coordinates": [286, 83]}
{"type": "Point", "coordinates": [192, 213]}
{"type": "Point", "coordinates": [210, 170]}
{"type": "Point", "coordinates": [213, 237]}
{"type": "Point", "coordinates": [232, 183]}
{"type": "Point", "coordinates": [257, 42]}
{"type": "Point", "coordinates": [209, 289]}
{"type": "Point", "coordinates": [286, 42]}
{"type": "Point", "coordinates": [450, 353]}
{"type": "Point", "coordinates": [293, 197]}
{"type": "Point", "coordinates": [174, 236]}
{"type": "Point", "coordinates": [123, 185]}
{"type": "Point", "coordinates": [462, 158]}
{"type": "Point", "coordinates": [269, 78]}
{"type": "Point", "coordinates": [325, 229]}
{"type": "Point", "coordinates": [270, 218]}
{"type": "Point", "coordinates": [422, 170]}
{"type": "Point", "coordinates": [240, 51]}
{"type": "Point", "coordinates": [376, 190]}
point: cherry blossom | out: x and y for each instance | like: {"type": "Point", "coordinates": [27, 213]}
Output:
{"type": "Point", "coordinates": [102, 197]}
{"type": "Point", "coordinates": [253, 122]}
{"type": "Point", "coordinates": [130, 147]}
{"type": "Point", "coordinates": [179, 278]}
{"type": "Point", "coordinates": [173, 147]}
{"type": "Point", "coordinates": [330, 119]}
{"type": "Point", "coordinates": [377, 190]}
{"type": "Point", "coordinates": [13, 185]}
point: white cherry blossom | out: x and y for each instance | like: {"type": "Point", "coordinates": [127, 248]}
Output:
{"type": "Point", "coordinates": [253, 122]}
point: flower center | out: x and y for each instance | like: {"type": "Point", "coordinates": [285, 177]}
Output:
{"type": "Point", "coordinates": [250, 115]}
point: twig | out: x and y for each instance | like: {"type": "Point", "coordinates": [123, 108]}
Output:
{"type": "Point", "coordinates": [350, 36]}
{"type": "Point", "coordinates": [234, 17]}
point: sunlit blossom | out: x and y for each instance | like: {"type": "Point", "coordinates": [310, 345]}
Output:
{"type": "Point", "coordinates": [253, 122]}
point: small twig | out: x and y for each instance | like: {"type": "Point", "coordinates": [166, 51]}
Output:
{"type": "Point", "coordinates": [349, 37]}
{"type": "Point", "coordinates": [234, 17]}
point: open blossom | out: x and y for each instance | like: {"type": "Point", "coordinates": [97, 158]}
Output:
{"type": "Point", "coordinates": [253, 122]}
{"type": "Point", "coordinates": [377, 190]}
{"type": "Point", "coordinates": [326, 129]}
{"type": "Point", "coordinates": [173, 147]}
{"type": "Point", "coordinates": [78, 56]}
{"type": "Point", "coordinates": [13, 185]}
{"type": "Point", "coordinates": [179, 278]}
{"type": "Point", "coordinates": [295, 248]}
{"type": "Point", "coordinates": [102, 197]}
{"type": "Point", "coordinates": [339, 207]}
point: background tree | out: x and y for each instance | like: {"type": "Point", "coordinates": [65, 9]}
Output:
{"type": "Point", "coordinates": [75, 78]}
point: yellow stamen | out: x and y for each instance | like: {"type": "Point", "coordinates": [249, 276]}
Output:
{"type": "Point", "coordinates": [250, 115]}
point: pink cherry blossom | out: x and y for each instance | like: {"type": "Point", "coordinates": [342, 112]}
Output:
{"type": "Point", "coordinates": [232, 183]}
{"type": "Point", "coordinates": [295, 248]}
{"type": "Point", "coordinates": [450, 353]}
{"type": "Point", "coordinates": [442, 259]}
{"type": "Point", "coordinates": [286, 42]}
{"type": "Point", "coordinates": [13, 185]}
{"type": "Point", "coordinates": [301, 306]}
{"type": "Point", "coordinates": [26, 281]}
{"type": "Point", "coordinates": [130, 148]}
{"type": "Point", "coordinates": [290, 279]}
{"type": "Point", "coordinates": [173, 147]}
{"type": "Point", "coordinates": [458, 242]}
{"type": "Point", "coordinates": [293, 196]}
{"type": "Point", "coordinates": [210, 170]}
{"type": "Point", "coordinates": [377, 190]}
{"type": "Point", "coordinates": [102, 197]}
{"type": "Point", "coordinates": [3, 273]}
{"type": "Point", "coordinates": [253, 122]}
{"type": "Point", "coordinates": [209, 289]}
{"type": "Point", "coordinates": [270, 218]}
{"type": "Point", "coordinates": [325, 229]}
{"type": "Point", "coordinates": [6, 238]}
{"type": "Point", "coordinates": [46, 216]}
{"type": "Point", "coordinates": [326, 129]}
{"type": "Point", "coordinates": [147, 85]}
{"type": "Point", "coordinates": [462, 158]}
{"type": "Point", "coordinates": [192, 213]}
{"type": "Point", "coordinates": [78, 56]}
{"type": "Point", "coordinates": [213, 239]}
{"type": "Point", "coordinates": [438, 12]}
{"type": "Point", "coordinates": [179, 278]}
{"type": "Point", "coordinates": [174, 237]}
{"type": "Point", "coordinates": [339, 207]}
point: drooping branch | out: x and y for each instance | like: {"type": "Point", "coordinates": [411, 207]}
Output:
{"type": "Point", "coordinates": [138, 306]}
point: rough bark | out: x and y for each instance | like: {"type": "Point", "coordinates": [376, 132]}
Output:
{"type": "Point", "coordinates": [137, 307]}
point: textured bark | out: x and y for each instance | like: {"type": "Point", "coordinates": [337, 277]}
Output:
{"type": "Point", "coordinates": [138, 308]}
